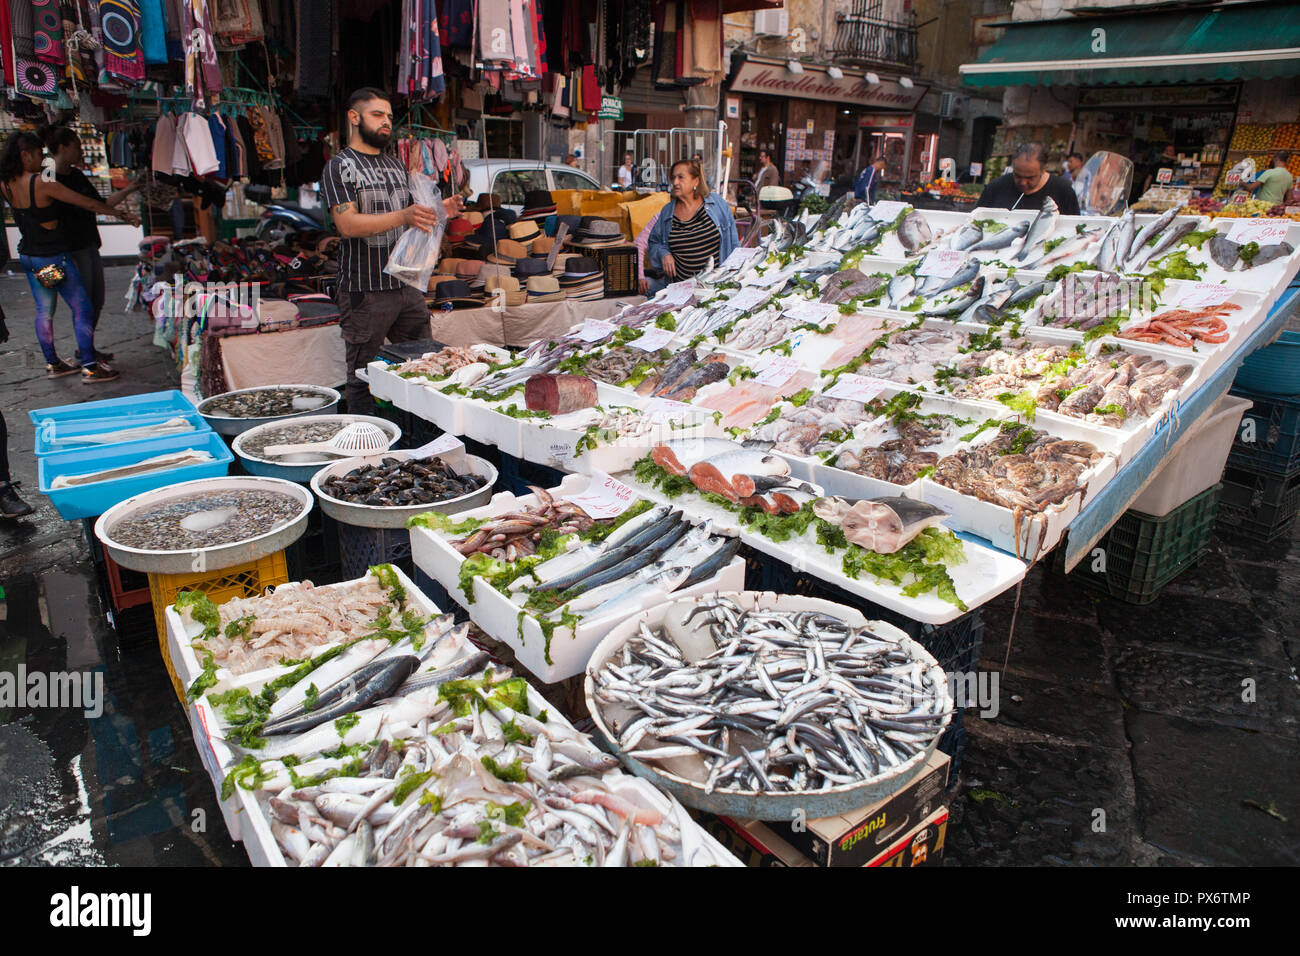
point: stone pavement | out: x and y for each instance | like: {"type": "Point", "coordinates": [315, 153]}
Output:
{"type": "Point", "coordinates": [1136, 712]}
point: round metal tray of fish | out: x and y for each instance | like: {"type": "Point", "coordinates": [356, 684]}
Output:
{"type": "Point", "coordinates": [286, 527]}
{"type": "Point", "coordinates": [302, 399]}
{"type": "Point", "coordinates": [834, 722]}
{"type": "Point", "coordinates": [394, 516]}
{"type": "Point", "coordinates": [302, 466]}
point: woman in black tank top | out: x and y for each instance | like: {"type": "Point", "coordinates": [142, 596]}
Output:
{"type": "Point", "coordinates": [43, 251]}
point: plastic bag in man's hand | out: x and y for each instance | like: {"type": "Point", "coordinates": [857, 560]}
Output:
{"type": "Point", "coordinates": [416, 254]}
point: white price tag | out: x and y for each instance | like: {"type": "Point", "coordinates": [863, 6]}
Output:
{"type": "Point", "coordinates": [767, 279]}
{"type": "Point", "coordinates": [604, 497]}
{"type": "Point", "coordinates": [818, 313]}
{"type": "Point", "coordinates": [561, 450]}
{"type": "Point", "coordinates": [447, 447]}
{"type": "Point", "coordinates": [653, 339]}
{"type": "Point", "coordinates": [1204, 295]}
{"type": "Point", "coordinates": [943, 263]}
{"type": "Point", "coordinates": [776, 371]}
{"type": "Point", "coordinates": [1264, 231]}
{"type": "Point", "coordinates": [748, 299]}
{"type": "Point", "coordinates": [857, 388]}
{"type": "Point", "coordinates": [594, 330]}
{"type": "Point", "coordinates": [679, 293]}
{"type": "Point", "coordinates": [738, 258]}
{"type": "Point", "coordinates": [887, 210]}
{"type": "Point", "coordinates": [663, 410]}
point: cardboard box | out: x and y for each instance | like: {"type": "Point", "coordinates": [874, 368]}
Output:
{"type": "Point", "coordinates": [858, 838]}
{"type": "Point", "coordinates": [755, 844]}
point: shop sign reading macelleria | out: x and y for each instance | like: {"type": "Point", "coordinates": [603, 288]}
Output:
{"type": "Point", "coordinates": [815, 84]}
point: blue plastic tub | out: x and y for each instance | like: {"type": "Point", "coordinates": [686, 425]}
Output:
{"type": "Point", "coordinates": [55, 435]}
{"type": "Point", "coordinates": [87, 501]}
{"type": "Point", "coordinates": [1274, 369]}
{"type": "Point", "coordinates": [168, 404]}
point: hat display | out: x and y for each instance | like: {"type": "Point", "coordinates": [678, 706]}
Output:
{"type": "Point", "coordinates": [492, 229]}
{"type": "Point", "coordinates": [484, 202]}
{"type": "Point", "coordinates": [544, 289]}
{"type": "Point", "coordinates": [507, 216]}
{"type": "Point", "coordinates": [459, 228]}
{"type": "Point", "coordinates": [580, 267]}
{"type": "Point", "coordinates": [456, 294]}
{"type": "Point", "coordinates": [524, 231]}
{"type": "Point", "coordinates": [435, 280]}
{"type": "Point", "coordinates": [531, 267]}
{"type": "Point", "coordinates": [447, 267]}
{"type": "Point", "coordinates": [573, 222]}
{"type": "Point", "coordinates": [504, 289]}
{"type": "Point", "coordinates": [468, 268]}
{"type": "Point", "coordinates": [491, 269]}
{"type": "Point", "coordinates": [542, 245]}
{"type": "Point", "coordinates": [602, 232]}
{"type": "Point", "coordinates": [537, 204]}
{"type": "Point", "coordinates": [582, 278]}
{"type": "Point", "coordinates": [508, 252]}
{"type": "Point", "coordinates": [473, 216]}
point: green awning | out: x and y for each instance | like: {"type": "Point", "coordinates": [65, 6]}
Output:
{"type": "Point", "coordinates": [1234, 42]}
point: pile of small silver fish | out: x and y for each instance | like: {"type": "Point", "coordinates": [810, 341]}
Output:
{"type": "Point", "coordinates": [264, 402]}
{"type": "Point", "coordinates": [768, 700]}
{"type": "Point", "coordinates": [206, 520]}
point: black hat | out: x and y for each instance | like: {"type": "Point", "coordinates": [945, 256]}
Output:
{"type": "Point", "coordinates": [505, 215]}
{"type": "Point", "coordinates": [531, 267]}
{"type": "Point", "coordinates": [537, 203]}
{"type": "Point", "coordinates": [579, 267]}
{"type": "Point", "coordinates": [455, 292]}
{"type": "Point", "coordinates": [603, 232]}
{"type": "Point", "coordinates": [573, 222]}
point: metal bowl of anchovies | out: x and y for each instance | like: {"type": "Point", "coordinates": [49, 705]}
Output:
{"type": "Point", "coordinates": [303, 399]}
{"type": "Point", "coordinates": [264, 536]}
{"type": "Point", "coordinates": [685, 780]}
{"type": "Point", "coordinates": [394, 516]}
{"type": "Point", "coordinates": [299, 467]}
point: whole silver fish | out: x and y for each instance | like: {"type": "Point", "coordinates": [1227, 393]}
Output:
{"type": "Point", "coordinates": [1040, 229]}
{"type": "Point", "coordinates": [973, 295]}
{"type": "Point", "coordinates": [1127, 229]}
{"type": "Point", "coordinates": [1151, 229]}
{"type": "Point", "coordinates": [967, 236]}
{"type": "Point", "coordinates": [1002, 238]}
{"type": "Point", "coordinates": [1028, 293]}
{"type": "Point", "coordinates": [900, 287]}
{"type": "Point", "coordinates": [1166, 241]}
{"type": "Point", "coordinates": [934, 285]}
{"type": "Point", "coordinates": [1109, 248]}
{"type": "Point", "coordinates": [914, 233]}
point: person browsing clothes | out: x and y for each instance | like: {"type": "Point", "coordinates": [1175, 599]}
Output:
{"type": "Point", "coordinates": [368, 193]}
{"type": "Point", "coordinates": [692, 229]}
{"type": "Point", "coordinates": [1028, 183]}
{"type": "Point", "coordinates": [37, 200]}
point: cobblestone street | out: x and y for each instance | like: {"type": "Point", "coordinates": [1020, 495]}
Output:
{"type": "Point", "coordinates": [1158, 735]}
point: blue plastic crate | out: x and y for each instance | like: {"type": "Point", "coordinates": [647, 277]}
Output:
{"type": "Point", "coordinates": [87, 501]}
{"type": "Point", "coordinates": [53, 435]}
{"type": "Point", "coordinates": [168, 404]}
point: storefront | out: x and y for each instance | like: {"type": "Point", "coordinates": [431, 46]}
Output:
{"type": "Point", "coordinates": [812, 123]}
{"type": "Point", "coordinates": [1165, 89]}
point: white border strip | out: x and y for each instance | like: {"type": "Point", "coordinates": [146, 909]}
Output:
{"type": "Point", "coordinates": [1174, 59]}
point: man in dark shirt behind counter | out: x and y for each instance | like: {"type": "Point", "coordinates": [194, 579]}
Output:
{"type": "Point", "coordinates": [1029, 183]}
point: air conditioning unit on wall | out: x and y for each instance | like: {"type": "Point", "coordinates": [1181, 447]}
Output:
{"type": "Point", "coordinates": [771, 23]}
{"type": "Point", "coordinates": [951, 104]}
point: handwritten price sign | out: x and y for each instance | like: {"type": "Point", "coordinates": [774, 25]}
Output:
{"type": "Point", "coordinates": [818, 313]}
{"type": "Point", "coordinates": [604, 497]}
{"type": "Point", "coordinates": [943, 263]}
{"type": "Point", "coordinates": [1264, 231]}
{"type": "Point", "coordinates": [887, 210]}
{"type": "Point", "coordinates": [857, 388]}
{"type": "Point", "coordinates": [1204, 295]}
{"type": "Point", "coordinates": [594, 330]}
{"type": "Point", "coordinates": [746, 300]}
{"type": "Point", "coordinates": [738, 258]}
{"type": "Point", "coordinates": [664, 410]}
{"type": "Point", "coordinates": [652, 340]}
{"type": "Point", "coordinates": [679, 293]}
{"type": "Point", "coordinates": [776, 371]}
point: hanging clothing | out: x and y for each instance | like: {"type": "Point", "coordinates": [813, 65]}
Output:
{"type": "Point", "coordinates": [456, 23]}
{"type": "Point", "coordinates": [6, 43]}
{"type": "Point", "coordinates": [47, 31]}
{"type": "Point", "coordinates": [32, 77]}
{"type": "Point", "coordinates": [706, 40]}
{"type": "Point", "coordinates": [120, 29]}
{"type": "Point", "coordinates": [314, 27]}
{"type": "Point", "coordinates": [202, 74]}
{"type": "Point", "coordinates": [164, 145]}
{"type": "Point", "coordinates": [153, 31]}
{"type": "Point", "coordinates": [217, 130]}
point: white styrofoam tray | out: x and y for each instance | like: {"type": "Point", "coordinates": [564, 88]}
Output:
{"type": "Point", "coordinates": [985, 574]}
{"type": "Point", "coordinates": [500, 617]}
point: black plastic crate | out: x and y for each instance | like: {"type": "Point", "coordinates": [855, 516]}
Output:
{"type": "Point", "coordinates": [517, 474]}
{"type": "Point", "coordinates": [953, 743]}
{"type": "Point", "coordinates": [1275, 449]}
{"type": "Point", "coordinates": [362, 548]}
{"type": "Point", "coordinates": [315, 557]}
{"type": "Point", "coordinates": [1143, 553]}
{"type": "Point", "coordinates": [1258, 506]}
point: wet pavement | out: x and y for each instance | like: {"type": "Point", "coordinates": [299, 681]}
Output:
{"type": "Point", "coordinates": [1122, 736]}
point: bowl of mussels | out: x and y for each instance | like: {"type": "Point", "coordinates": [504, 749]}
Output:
{"type": "Point", "coordinates": [251, 445]}
{"type": "Point", "coordinates": [384, 489]}
{"type": "Point", "coordinates": [231, 413]}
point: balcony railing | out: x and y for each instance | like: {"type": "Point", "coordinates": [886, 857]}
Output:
{"type": "Point", "coordinates": [871, 40]}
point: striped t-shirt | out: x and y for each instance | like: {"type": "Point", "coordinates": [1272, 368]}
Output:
{"type": "Point", "coordinates": [376, 184]}
{"type": "Point", "coordinates": [693, 242]}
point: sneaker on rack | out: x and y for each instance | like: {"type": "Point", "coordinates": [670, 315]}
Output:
{"type": "Point", "coordinates": [60, 368]}
{"type": "Point", "coordinates": [99, 372]}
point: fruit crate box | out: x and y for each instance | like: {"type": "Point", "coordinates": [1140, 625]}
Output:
{"type": "Point", "coordinates": [1273, 424]}
{"type": "Point", "coordinates": [1142, 553]}
{"type": "Point", "coordinates": [1261, 507]}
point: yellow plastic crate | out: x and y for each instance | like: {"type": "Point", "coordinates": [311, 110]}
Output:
{"type": "Point", "coordinates": [243, 580]}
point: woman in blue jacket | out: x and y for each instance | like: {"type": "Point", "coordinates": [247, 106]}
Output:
{"type": "Point", "coordinates": [696, 226]}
